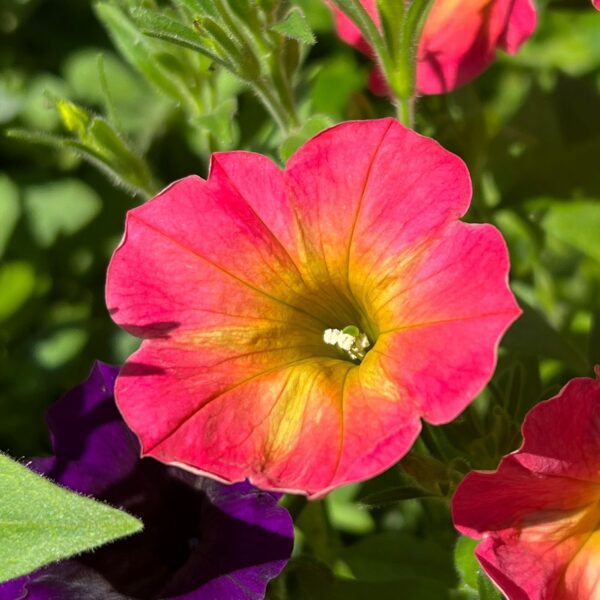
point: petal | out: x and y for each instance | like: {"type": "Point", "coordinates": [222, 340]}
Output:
{"type": "Point", "coordinates": [348, 31]}
{"type": "Point", "coordinates": [362, 206]}
{"type": "Point", "coordinates": [440, 315]}
{"type": "Point", "coordinates": [555, 557]}
{"type": "Point", "coordinates": [93, 450]}
{"type": "Point", "coordinates": [520, 25]}
{"type": "Point", "coordinates": [460, 38]}
{"type": "Point", "coordinates": [506, 498]}
{"type": "Point", "coordinates": [247, 542]}
{"type": "Point", "coordinates": [562, 435]}
{"type": "Point", "coordinates": [188, 278]}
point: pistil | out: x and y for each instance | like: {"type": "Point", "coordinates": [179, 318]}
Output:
{"type": "Point", "coordinates": [349, 340]}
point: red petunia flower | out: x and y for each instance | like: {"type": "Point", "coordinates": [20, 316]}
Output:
{"type": "Point", "coordinates": [298, 323]}
{"type": "Point", "coordinates": [459, 40]}
{"type": "Point", "coordinates": [539, 513]}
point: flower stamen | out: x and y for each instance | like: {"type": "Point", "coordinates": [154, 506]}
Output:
{"type": "Point", "coordinates": [350, 340]}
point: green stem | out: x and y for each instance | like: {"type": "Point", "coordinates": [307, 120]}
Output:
{"type": "Point", "coordinates": [401, 73]}
{"type": "Point", "coordinates": [405, 110]}
{"type": "Point", "coordinates": [361, 18]}
{"type": "Point", "coordinates": [284, 117]}
{"type": "Point", "coordinates": [274, 91]}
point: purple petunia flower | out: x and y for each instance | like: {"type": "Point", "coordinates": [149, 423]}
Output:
{"type": "Point", "coordinates": [201, 540]}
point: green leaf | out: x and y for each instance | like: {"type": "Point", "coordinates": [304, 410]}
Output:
{"type": "Point", "coordinates": [345, 514]}
{"type": "Point", "coordinates": [221, 122]}
{"type": "Point", "coordinates": [313, 523]}
{"type": "Point", "coordinates": [317, 582]}
{"type": "Point", "coordinates": [41, 522]}
{"type": "Point", "coordinates": [531, 334]}
{"type": "Point", "coordinates": [140, 53]}
{"type": "Point", "coordinates": [465, 562]}
{"type": "Point", "coordinates": [97, 141]}
{"type": "Point", "coordinates": [392, 555]}
{"type": "Point", "coordinates": [12, 95]}
{"type": "Point", "coordinates": [164, 28]}
{"type": "Point", "coordinates": [571, 42]}
{"type": "Point", "coordinates": [17, 283]}
{"type": "Point", "coordinates": [577, 223]}
{"type": "Point", "coordinates": [60, 347]}
{"type": "Point", "coordinates": [394, 495]}
{"type": "Point", "coordinates": [334, 85]}
{"type": "Point", "coordinates": [59, 207]}
{"type": "Point", "coordinates": [80, 70]}
{"type": "Point", "coordinates": [294, 25]}
{"type": "Point", "coordinates": [487, 590]}
{"type": "Point", "coordinates": [10, 210]}
{"type": "Point", "coordinates": [37, 110]}
{"type": "Point", "coordinates": [313, 126]}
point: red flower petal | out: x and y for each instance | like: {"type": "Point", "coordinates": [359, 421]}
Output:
{"type": "Point", "coordinates": [539, 512]}
{"type": "Point", "coordinates": [234, 280]}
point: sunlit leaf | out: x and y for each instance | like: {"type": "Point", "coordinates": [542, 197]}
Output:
{"type": "Point", "coordinates": [59, 207]}
{"type": "Point", "coordinates": [41, 522]}
{"type": "Point", "coordinates": [465, 562]}
{"type": "Point", "coordinates": [295, 26]}
{"type": "Point", "coordinates": [17, 283]}
{"type": "Point", "coordinates": [577, 223]}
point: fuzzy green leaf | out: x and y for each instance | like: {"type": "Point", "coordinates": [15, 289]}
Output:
{"type": "Point", "coordinates": [295, 26]}
{"type": "Point", "coordinates": [465, 562]}
{"type": "Point", "coordinates": [41, 522]}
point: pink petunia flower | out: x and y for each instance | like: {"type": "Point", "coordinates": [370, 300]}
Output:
{"type": "Point", "coordinates": [539, 513]}
{"type": "Point", "coordinates": [298, 323]}
{"type": "Point", "coordinates": [459, 40]}
{"type": "Point", "coordinates": [596, 4]}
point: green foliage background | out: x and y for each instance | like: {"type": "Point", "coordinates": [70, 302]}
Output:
{"type": "Point", "coordinates": [529, 129]}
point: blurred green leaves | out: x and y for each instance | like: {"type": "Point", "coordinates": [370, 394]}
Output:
{"type": "Point", "coordinates": [568, 41]}
{"type": "Point", "coordinates": [532, 334]}
{"type": "Point", "coordinates": [41, 522]}
{"type": "Point", "coordinates": [59, 208]}
{"type": "Point", "coordinates": [17, 282]}
{"type": "Point", "coordinates": [166, 72]}
{"type": "Point", "coordinates": [577, 223]}
{"type": "Point", "coordinates": [392, 556]}
{"type": "Point", "coordinates": [10, 209]}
